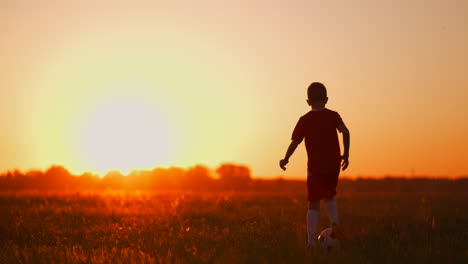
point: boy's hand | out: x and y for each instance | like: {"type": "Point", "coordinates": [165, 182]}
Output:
{"type": "Point", "coordinates": [345, 162]}
{"type": "Point", "coordinates": [283, 163]}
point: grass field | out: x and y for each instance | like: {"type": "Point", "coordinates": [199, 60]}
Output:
{"type": "Point", "coordinates": [228, 228]}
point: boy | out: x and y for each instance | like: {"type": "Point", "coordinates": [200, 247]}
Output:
{"type": "Point", "coordinates": [318, 127]}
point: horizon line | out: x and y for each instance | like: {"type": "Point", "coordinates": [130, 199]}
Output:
{"type": "Point", "coordinates": [257, 177]}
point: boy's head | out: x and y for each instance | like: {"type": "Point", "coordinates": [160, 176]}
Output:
{"type": "Point", "coordinates": [317, 95]}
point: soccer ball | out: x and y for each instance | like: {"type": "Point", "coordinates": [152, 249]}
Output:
{"type": "Point", "coordinates": [328, 241]}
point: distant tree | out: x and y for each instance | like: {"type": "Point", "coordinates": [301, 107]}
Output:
{"type": "Point", "coordinates": [87, 181]}
{"type": "Point", "coordinates": [197, 177]}
{"type": "Point", "coordinates": [234, 176]}
{"type": "Point", "coordinates": [17, 174]}
{"type": "Point", "coordinates": [166, 179]}
{"type": "Point", "coordinates": [19, 181]}
{"type": "Point", "coordinates": [175, 173]}
{"type": "Point", "coordinates": [114, 179]}
{"type": "Point", "coordinates": [35, 180]}
{"type": "Point", "coordinates": [139, 180]}
{"type": "Point", "coordinates": [34, 174]}
{"type": "Point", "coordinates": [7, 181]}
{"type": "Point", "coordinates": [56, 177]}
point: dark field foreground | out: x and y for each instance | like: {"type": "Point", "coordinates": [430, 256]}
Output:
{"type": "Point", "coordinates": [228, 228]}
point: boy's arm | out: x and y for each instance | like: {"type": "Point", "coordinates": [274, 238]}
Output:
{"type": "Point", "coordinates": [346, 138]}
{"type": "Point", "coordinates": [292, 147]}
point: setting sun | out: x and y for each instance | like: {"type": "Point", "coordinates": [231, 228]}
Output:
{"type": "Point", "coordinates": [124, 134]}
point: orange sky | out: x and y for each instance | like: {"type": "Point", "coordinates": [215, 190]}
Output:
{"type": "Point", "coordinates": [97, 85]}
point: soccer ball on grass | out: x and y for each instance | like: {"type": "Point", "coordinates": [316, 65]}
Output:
{"type": "Point", "coordinates": [328, 241]}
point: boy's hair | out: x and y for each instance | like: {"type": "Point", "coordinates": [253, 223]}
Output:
{"type": "Point", "coordinates": [316, 92]}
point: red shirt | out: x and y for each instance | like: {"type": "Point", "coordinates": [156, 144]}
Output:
{"type": "Point", "coordinates": [321, 139]}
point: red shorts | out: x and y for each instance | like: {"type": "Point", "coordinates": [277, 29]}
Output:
{"type": "Point", "coordinates": [322, 185]}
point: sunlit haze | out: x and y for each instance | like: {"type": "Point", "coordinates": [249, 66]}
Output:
{"type": "Point", "coordinates": [101, 85]}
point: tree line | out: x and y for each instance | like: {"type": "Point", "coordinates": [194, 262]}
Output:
{"type": "Point", "coordinates": [225, 177]}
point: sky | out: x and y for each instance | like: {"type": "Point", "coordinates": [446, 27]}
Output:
{"type": "Point", "coordinates": [100, 85]}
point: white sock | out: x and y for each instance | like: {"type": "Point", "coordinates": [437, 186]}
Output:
{"type": "Point", "coordinates": [332, 210]}
{"type": "Point", "coordinates": [312, 221]}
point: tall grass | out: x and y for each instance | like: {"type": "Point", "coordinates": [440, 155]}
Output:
{"type": "Point", "coordinates": [228, 228]}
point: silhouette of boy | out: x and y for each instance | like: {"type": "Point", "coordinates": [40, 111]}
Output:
{"type": "Point", "coordinates": [318, 127]}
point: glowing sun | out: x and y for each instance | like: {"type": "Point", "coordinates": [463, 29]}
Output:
{"type": "Point", "coordinates": [125, 134]}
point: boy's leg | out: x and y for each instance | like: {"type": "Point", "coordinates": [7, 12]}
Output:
{"type": "Point", "coordinates": [332, 211]}
{"type": "Point", "coordinates": [312, 221]}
